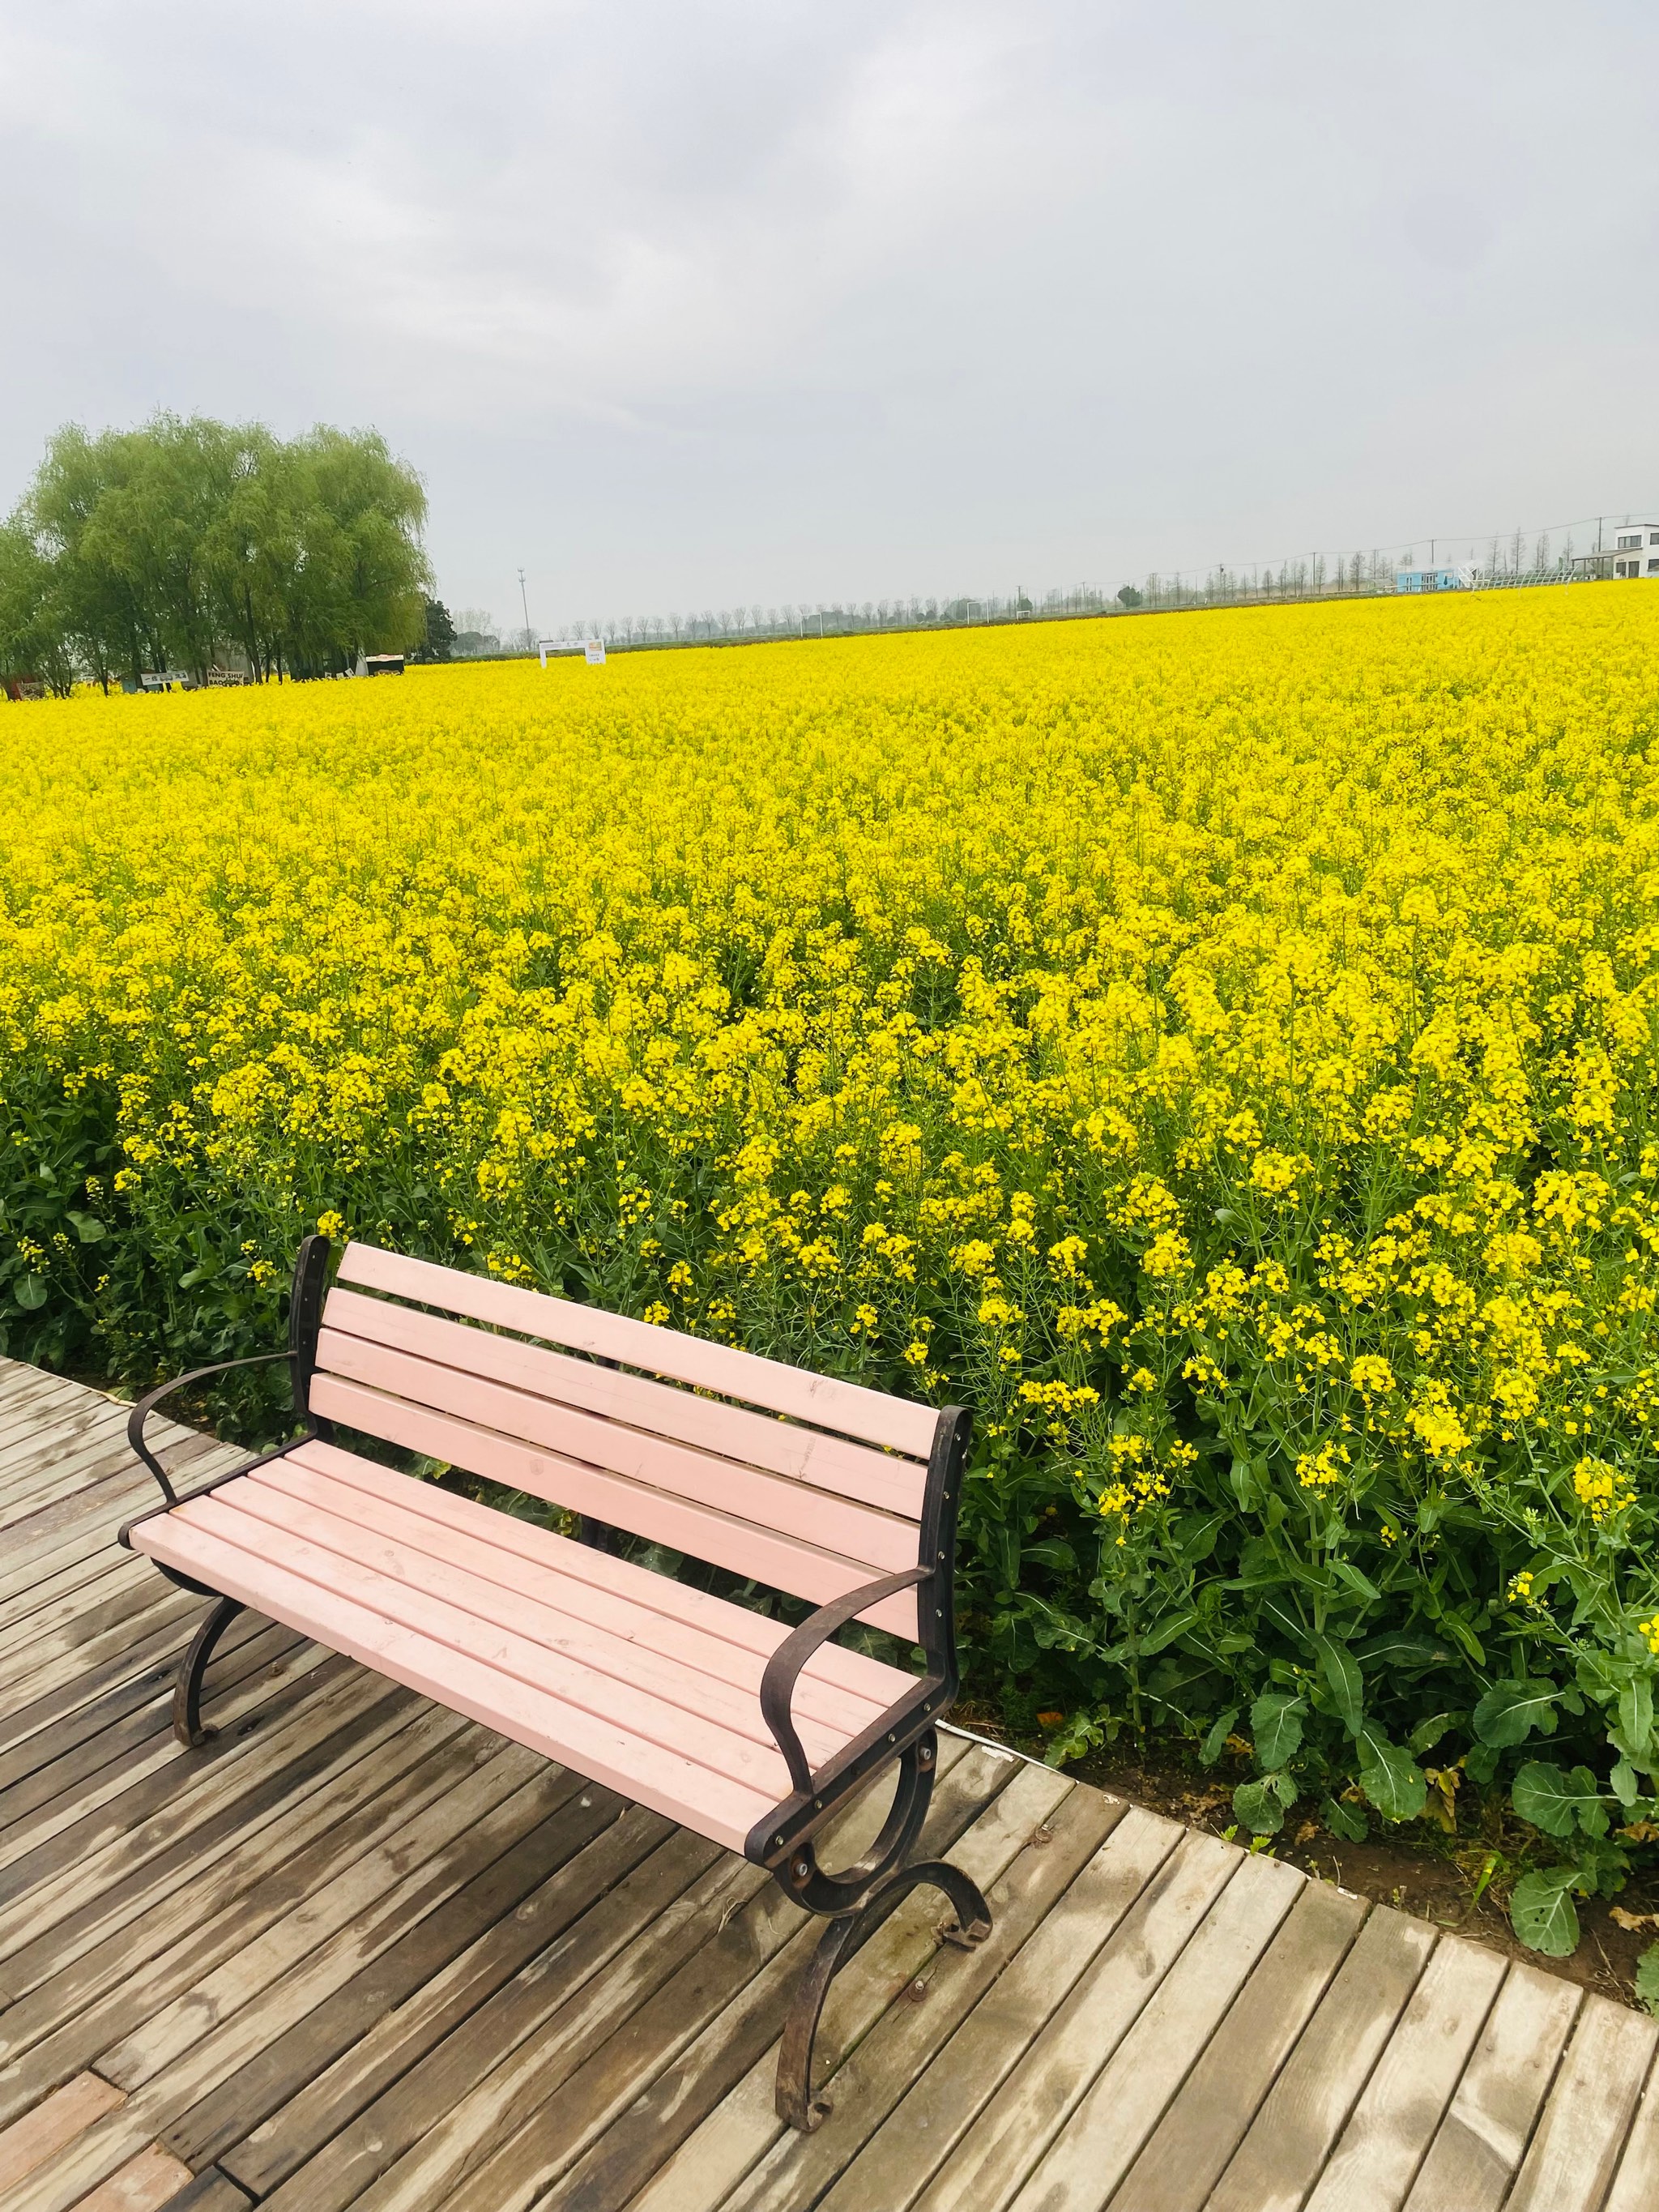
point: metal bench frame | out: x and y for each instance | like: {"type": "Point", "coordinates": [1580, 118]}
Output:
{"type": "Point", "coordinates": [855, 1900]}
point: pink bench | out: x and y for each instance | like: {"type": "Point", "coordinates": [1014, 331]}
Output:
{"type": "Point", "coordinates": [752, 1734]}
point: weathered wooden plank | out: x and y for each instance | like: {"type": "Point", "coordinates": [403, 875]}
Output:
{"type": "Point", "coordinates": [651, 1998]}
{"type": "Point", "coordinates": [290, 2062]}
{"type": "Point", "coordinates": [731, 1997]}
{"type": "Point", "coordinates": [1481, 2141]}
{"type": "Point", "coordinates": [916, 2096]}
{"type": "Point", "coordinates": [243, 1697]}
{"type": "Point", "coordinates": [161, 2107]}
{"type": "Point", "coordinates": [66, 1590]}
{"type": "Point", "coordinates": [97, 1512]}
{"type": "Point", "coordinates": [85, 1430]}
{"type": "Point", "coordinates": [1017, 2123]}
{"type": "Point", "coordinates": [87, 1448]}
{"type": "Point", "coordinates": [889, 2014]}
{"type": "Point", "coordinates": [20, 1382]}
{"type": "Point", "coordinates": [400, 1878]}
{"type": "Point", "coordinates": [624, 1946]}
{"type": "Point", "coordinates": [153, 2108]}
{"type": "Point", "coordinates": [742, 2040]}
{"type": "Point", "coordinates": [1636, 2185]}
{"type": "Point", "coordinates": [147, 1961]}
{"type": "Point", "coordinates": [21, 1379]}
{"type": "Point", "coordinates": [113, 1473]}
{"type": "Point", "coordinates": [1118, 2111]}
{"type": "Point", "coordinates": [299, 2022]}
{"type": "Point", "coordinates": [110, 1706]}
{"type": "Point", "coordinates": [36, 1411]}
{"type": "Point", "coordinates": [1191, 2144]}
{"type": "Point", "coordinates": [46, 1466]}
{"type": "Point", "coordinates": [88, 1896]}
{"type": "Point", "coordinates": [64, 1681]}
{"type": "Point", "coordinates": [42, 2133]}
{"type": "Point", "coordinates": [1376, 2157]}
{"type": "Point", "coordinates": [58, 1651]}
{"type": "Point", "coordinates": [90, 1513]}
{"type": "Point", "coordinates": [25, 1641]}
{"type": "Point", "coordinates": [69, 1866]}
{"type": "Point", "coordinates": [63, 1722]}
{"type": "Point", "coordinates": [145, 2183]}
{"type": "Point", "coordinates": [1308, 2106]}
{"type": "Point", "coordinates": [141, 1737]}
{"type": "Point", "coordinates": [444, 1988]}
{"type": "Point", "coordinates": [78, 1556]}
{"type": "Point", "coordinates": [420, 1943]}
{"type": "Point", "coordinates": [54, 1428]}
{"type": "Point", "coordinates": [1576, 2148]}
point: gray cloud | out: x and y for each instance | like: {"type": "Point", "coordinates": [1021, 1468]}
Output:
{"type": "Point", "coordinates": [679, 306]}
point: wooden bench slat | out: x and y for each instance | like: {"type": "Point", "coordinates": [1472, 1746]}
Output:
{"type": "Point", "coordinates": [847, 1408]}
{"type": "Point", "coordinates": [789, 1509]}
{"type": "Point", "coordinates": [449, 1627]}
{"type": "Point", "coordinates": [887, 1480]}
{"type": "Point", "coordinates": [475, 1546]}
{"type": "Point", "coordinates": [779, 1563]}
{"type": "Point", "coordinates": [866, 1678]}
{"type": "Point", "coordinates": [675, 1682]}
{"type": "Point", "coordinates": [719, 1807]}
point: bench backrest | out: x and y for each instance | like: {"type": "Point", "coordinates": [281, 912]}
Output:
{"type": "Point", "coordinates": [799, 1481]}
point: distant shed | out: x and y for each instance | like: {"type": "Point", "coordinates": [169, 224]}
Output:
{"type": "Point", "coordinates": [1459, 577]}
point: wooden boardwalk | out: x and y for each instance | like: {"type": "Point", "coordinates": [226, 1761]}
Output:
{"type": "Point", "coordinates": [359, 1952]}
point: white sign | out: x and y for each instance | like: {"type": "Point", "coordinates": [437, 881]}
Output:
{"type": "Point", "coordinates": [594, 652]}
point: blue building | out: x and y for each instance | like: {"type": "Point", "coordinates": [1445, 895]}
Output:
{"type": "Point", "coordinates": [1460, 577]}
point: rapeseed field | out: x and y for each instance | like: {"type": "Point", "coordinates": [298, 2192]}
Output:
{"type": "Point", "coordinates": [1219, 1049]}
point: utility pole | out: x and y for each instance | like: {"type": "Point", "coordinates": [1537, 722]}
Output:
{"type": "Point", "coordinates": [524, 603]}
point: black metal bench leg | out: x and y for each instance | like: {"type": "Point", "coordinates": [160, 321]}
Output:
{"type": "Point", "coordinates": [796, 2105]}
{"type": "Point", "coordinates": [187, 1690]}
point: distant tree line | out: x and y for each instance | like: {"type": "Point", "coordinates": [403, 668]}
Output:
{"type": "Point", "coordinates": [184, 543]}
{"type": "Point", "coordinates": [844, 618]}
{"type": "Point", "coordinates": [1316, 576]}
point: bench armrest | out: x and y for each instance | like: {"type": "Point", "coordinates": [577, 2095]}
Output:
{"type": "Point", "coordinates": [141, 1412]}
{"type": "Point", "coordinates": [777, 1693]}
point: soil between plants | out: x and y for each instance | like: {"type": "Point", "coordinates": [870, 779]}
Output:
{"type": "Point", "coordinates": [1435, 1877]}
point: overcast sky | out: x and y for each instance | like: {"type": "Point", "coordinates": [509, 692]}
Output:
{"type": "Point", "coordinates": [741, 300]}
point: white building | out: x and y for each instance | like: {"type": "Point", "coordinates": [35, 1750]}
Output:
{"type": "Point", "coordinates": [1636, 549]}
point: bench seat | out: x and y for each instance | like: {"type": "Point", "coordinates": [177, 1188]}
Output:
{"type": "Point", "coordinates": [635, 1679]}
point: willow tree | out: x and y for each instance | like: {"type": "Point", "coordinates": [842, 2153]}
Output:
{"type": "Point", "coordinates": [162, 547]}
